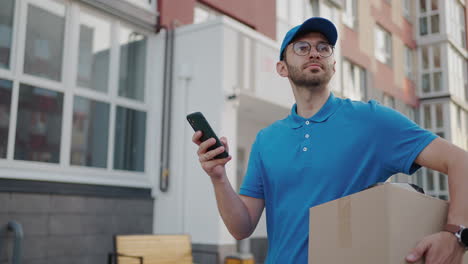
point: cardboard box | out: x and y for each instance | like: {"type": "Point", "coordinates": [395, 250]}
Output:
{"type": "Point", "coordinates": [380, 225]}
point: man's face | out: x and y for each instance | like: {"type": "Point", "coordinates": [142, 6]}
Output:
{"type": "Point", "coordinates": [310, 70]}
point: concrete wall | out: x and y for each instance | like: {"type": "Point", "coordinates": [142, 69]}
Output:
{"type": "Point", "coordinates": [70, 229]}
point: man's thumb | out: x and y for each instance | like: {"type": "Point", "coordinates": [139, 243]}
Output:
{"type": "Point", "coordinates": [417, 252]}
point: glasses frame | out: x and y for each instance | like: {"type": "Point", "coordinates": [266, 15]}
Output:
{"type": "Point", "coordinates": [310, 48]}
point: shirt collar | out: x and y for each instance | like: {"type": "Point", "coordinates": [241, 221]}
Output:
{"type": "Point", "coordinates": [330, 107]}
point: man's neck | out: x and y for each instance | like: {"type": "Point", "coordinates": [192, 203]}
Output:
{"type": "Point", "coordinates": [310, 101]}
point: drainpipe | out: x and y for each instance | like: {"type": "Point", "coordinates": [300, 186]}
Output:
{"type": "Point", "coordinates": [166, 111]}
{"type": "Point", "coordinates": [17, 229]}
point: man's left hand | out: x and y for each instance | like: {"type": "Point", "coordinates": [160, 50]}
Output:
{"type": "Point", "coordinates": [438, 248]}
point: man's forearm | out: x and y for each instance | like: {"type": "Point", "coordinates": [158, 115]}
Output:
{"type": "Point", "coordinates": [232, 209]}
{"type": "Point", "coordinates": [458, 186]}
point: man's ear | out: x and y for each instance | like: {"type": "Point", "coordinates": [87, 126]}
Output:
{"type": "Point", "coordinates": [282, 69]}
{"type": "Point", "coordinates": [334, 64]}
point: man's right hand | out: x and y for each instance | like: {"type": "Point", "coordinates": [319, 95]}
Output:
{"type": "Point", "coordinates": [215, 168]}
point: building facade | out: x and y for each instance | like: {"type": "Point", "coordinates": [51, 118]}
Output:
{"type": "Point", "coordinates": [94, 93]}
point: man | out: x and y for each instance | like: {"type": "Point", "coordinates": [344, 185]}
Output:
{"type": "Point", "coordinates": [325, 149]}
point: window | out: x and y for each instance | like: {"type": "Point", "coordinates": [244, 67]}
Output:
{"type": "Point", "coordinates": [132, 64]}
{"type": "Point", "coordinates": [45, 40]}
{"type": "Point", "coordinates": [428, 17]}
{"type": "Point", "coordinates": [431, 72]}
{"type": "Point", "coordinates": [90, 132]}
{"type": "Point", "coordinates": [354, 82]}
{"type": "Point", "coordinates": [350, 13]}
{"type": "Point", "coordinates": [90, 112]}
{"type": "Point", "coordinates": [433, 116]}
{"type": "Point", "coordinates": [6, 32]}
{"type": "Point", "coordinates": [406, 5]}
{"type": "Point", "coordinates": [290, 14]}
{"type": "Point", "coordinates": [408, 62]}
{"type": "Point", "coordinates": [38, 125]}
{"type": "Point", "coordinates": [94, 53]}
{"type": "Point", "coordinates": [456, 72]}
{"type": "Point", "coordinates": [433, 182]}
{"type": "Point", "coordinates": [383, 45]}
{"type": "Point", "coordinates": [6, 88]}
{"type": "Point", "coordinates": [456, 20]}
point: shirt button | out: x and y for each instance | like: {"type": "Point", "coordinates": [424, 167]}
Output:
{"type": "Point", "coordinates": [307, 122]}
{"type": "Point", "coordinates": [304, 149]}
{"type": "Point", "coordinates": [307, 136]}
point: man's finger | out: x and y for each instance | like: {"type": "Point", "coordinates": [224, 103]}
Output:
{"type": "Point", "coordinates": [211, 154]}
{"type": "Point", "coordinates": [216, 162]}
{"type": "Point", "coordinates": [418, 251]}
{"type": "Point", "coordinates": [225, 143]}
{"type": "Point", "coordinates": [196, 137]}
{"type": "Point", "coordinates": [205, 145]}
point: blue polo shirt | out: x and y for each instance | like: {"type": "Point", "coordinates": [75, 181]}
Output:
{"type": "Point", "coordinates": [297, 163]}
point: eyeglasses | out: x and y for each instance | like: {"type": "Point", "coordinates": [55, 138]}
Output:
{"type": "Point", "coordinates": [302, 48]}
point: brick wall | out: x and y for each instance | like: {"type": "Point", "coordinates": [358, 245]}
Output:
{"type": "Point", "coordinates": [70, 229]}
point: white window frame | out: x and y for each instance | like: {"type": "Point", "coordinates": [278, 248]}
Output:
{"type": "Point", "coordinates": [64, 171]}
{"type": "Point", "coordinates": [406, 9]}
{"type": "Point", "coordinates": [353, 81]}
{"type": "Point", "coordinates": [350, 16]}
{"type": "Point", "coordinates": [432, 70]}
{"type": "Point", "coordinates": [428, 14]}
{"type": "Point", "coordinates": [456, 30]}
{"type": "Point", "coordinates": [409, 63]}
{"type": "Point", "coordinates": [383, 51]}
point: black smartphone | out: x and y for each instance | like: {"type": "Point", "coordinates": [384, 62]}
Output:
{"type": "Point", "coordinates": [198, 122]}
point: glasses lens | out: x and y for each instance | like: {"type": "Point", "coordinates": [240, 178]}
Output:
{"type": "Point", "coordinates": [301, 48]}
{"type": "Point", "coordinates": [324, 49]}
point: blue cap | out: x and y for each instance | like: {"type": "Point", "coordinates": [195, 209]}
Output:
{"type": "Point", "coordinates": [314, 24]}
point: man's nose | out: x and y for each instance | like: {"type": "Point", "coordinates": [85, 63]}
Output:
{"type": "Point", "coordinates": [314, 54]}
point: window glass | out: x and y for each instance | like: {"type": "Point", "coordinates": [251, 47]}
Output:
{"type": "Point", "coordinates": [434, 5]}
{"type": "Point", "coordinates": [422, 6]}
{"type": "Point", "coordinates": [6, 88]}
{"type": "Point", "coordinates": [426, 83]}
{"type": "Point", "coordinates": [430, 179]}
{"type": "Point", "coordinates": [435, 24]}
{"type": "Point", "coordinates": [44, 41]}
{"type": "Point", "coordinates": [408, 61]}
{"type": "Point", "coordinates": [94, 53]}
{"type": "Point", "coordinates": [6, 29]}
{"type": "Point", "coordinates": [425, 57]}
{"type": "Point", "coordinates": [439, 116]}
{"type": "Point", "coordinates": [129, 144]}
{"type": "Point", "coordinates": [39, 124]}
{"type": "Point", "coordinates": [423, 26]}
{"type": "Point", "coordinates": [427, 117]}
{"type": "Point", "coordinates": [89, 133]}
{"type": "Point", "coordinates": [383, 51]}
{"type": "Point", "coordinates": [132, 64]}
{"type": "Point", "coordinates": [436, 50]}
{"type": "Point", "coordinates": [437, 81]}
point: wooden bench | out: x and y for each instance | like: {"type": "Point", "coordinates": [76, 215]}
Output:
{"type": "Point", "coordinates": [153, 249]}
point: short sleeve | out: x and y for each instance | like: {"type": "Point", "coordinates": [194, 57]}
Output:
{"type": "Point", "coordinates": [399, 140]}
{"type": "Point", "coordinates": [252, 184]}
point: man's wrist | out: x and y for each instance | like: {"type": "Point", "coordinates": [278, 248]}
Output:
{"type": "Point", "coordinates": [460, 232]}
